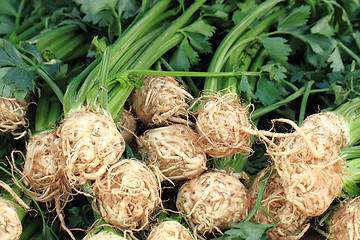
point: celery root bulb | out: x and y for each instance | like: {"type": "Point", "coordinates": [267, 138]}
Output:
{"type": "Point", "coordinates": [330, 125]}
{"type": "Point", "coordinates": [310, 169]}
{"type": "Point", "coordinates": [221, 123]}
{"type": "Point", "coordinates": [10, 224]}
{"type": "Point", "coordinates": [90, 143]}
{"type": "Point", "coordinates": [345, 223]}
{"type": "Point", "coordinates": [292, 223]}
{"type": "Point", "coordinates": [12, 116]}
{"type": "Point", "coordinates": [212, 200]}
{"type": "Point", "coordinates": [127, 125]}
{"type": "Point", "coordinates": [161, 101]}
{"type": "Point", "coordinates": [43, 172]}
{"type": "Point", "coordinates": [174, 150]}
{"type": "Point", "coordinates": [170, 230]}
{"type": "Point", "coordinates": [128, 194]}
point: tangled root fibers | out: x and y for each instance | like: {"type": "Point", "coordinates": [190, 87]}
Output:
{"type": "Point", "coordinates": [310, 169]}
{"type": "Point", "coordinates": [90, 143]}
{"type": "Point", "coordinates": [174, 150]}
{"type": "Point", "coordinates": [212, 200]}
{"type": "Point", "coordinates": [292, 222]}
{"type": "Point", "coordinates": [331, 125]}
{"type": "Point", "coordinates": [127, 125]}
{"type": "Point", "coordinates": [12, 116]}
{"type": "Point", "coordinates": [220, 123]}
{"type": "Point", "coordinates": [170, 230]}
{"type": "Point", "coordinates": [128, 194]}
{"type": "Point", "coordinates": [345, 224]}
{"type": "Point", "coordinates": [161, 101]}
{"type": "Point", "coordinates": [10, 225]}
{"type": "Point", "coordinates": [43, 172]}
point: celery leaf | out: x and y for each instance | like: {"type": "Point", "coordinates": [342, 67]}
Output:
{"type": "Point", "coordinates": [277, 48]}
{"type": "Point", "coordinates": [298, 17]}
{"type": "Point", "coordinates": [17, 78]}
{"type": "Point", "coordinates": [247, 231]}
{"type": "Point", "coordinates": [336, 61]}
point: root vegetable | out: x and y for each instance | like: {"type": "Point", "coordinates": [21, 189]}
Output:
{"type": "Point", "coordinates": [10, 224]}
{"type": "Point", "coordinates": [43, 172]}
{"type": "Point", "coordinates": [126, 123]}
{"type": "Point", "coordinates": [310, 168]}
{"type": "Point", "coordinates": [170, 230]}
{"type": "Point", "coordinates": [212, 200]}
{"type": "Point", "coordinates": [90, 143]}
{"type": "Point", "coordinates": [128, 194]}
{"type": "Point", "coordinates": [341, 125]}
{"type": "Point", "coordinates": [161, 101]}
{"type": "Point", "coordinates": [292, 223]}
{"type": "Point", "coordinates": [174, 150]}
{"type": "Point", "coordinates": [345, 223]}
{"type": "Point", "coordinates": [220, 123]}
{"type": "Point", "coordinates": [12, 116]}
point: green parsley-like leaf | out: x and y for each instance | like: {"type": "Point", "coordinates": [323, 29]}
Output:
{"type": "Point", "coordinates": [336, 61]}
{"type": "Point", "coordinates": [200, 26]}
{"type": "Point", "coordinates": [269, 92]}
{"type": "Point", "coordinates": [323, 26]}
{"type": "Point", "coordinates": [298, 17]}
{"type": "Point", "coordinates": [277, 48]}
{"type": "Point", "coordinates": [247, 231]}
{"type": "Point", "coordinates": [184, 56]}
{"type": "Point", "coordinates": [17, 78]}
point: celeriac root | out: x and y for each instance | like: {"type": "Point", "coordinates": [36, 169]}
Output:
{"type": "Point", "coordinates": [330, 125]}
{"type": "Point", "coordinates": [211, 201]}
{"type": "Point", "coordinates": [10, 224]}
{"type": "Point", "coordinates": [221, 121]}
{"type": "Point", "coordinates": [345, 224]}
{"type": "Point", "coordinates": [12, 116]}
{"type": "Point", "coordinates": [174, 150]}
{"type": "Point", "coordinates": [127, 125]}
{"type": "Point", "coordinates": [90, 143]}
{"type": "Point", "coordinates": [292, 222]}
{"type": "Point", "coordinates": [42, 173]}
{"type": "Point", "coordinates": [310, 169]}
{"type": "Point", "coordinates": [170, 230]}
{"type": "Point", "coordinates": [161, 101]}
{"type": "Point", "coordinates": [128, 194]}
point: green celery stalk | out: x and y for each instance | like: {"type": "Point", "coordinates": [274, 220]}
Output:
{"type": "Point", "coordinates": [220, 54]}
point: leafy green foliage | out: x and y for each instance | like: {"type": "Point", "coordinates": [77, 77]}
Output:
{"type": "Point", "coordinates": [196, 40]}
{"type": "Point", "coordinates": [277, 48]}
{"type": "Point", "coordinates": [16, 77]}
{"type": "Point", "coordinates": [247, 231]}
{"type": "Point", "coordinates": [297, 18]}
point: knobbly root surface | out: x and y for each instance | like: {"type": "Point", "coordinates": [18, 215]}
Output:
{"type": "Point", "coordinates": [221, 121]}
{"type": "Point", "coordinates": [329, 124]}
{"type": "Point", "coordinates": [128, 194]}
{"type": "Point", "coordinates": [42, 173]}
{"type": "Point", "coordinates": [174, 150]}
{"type": "Point", "coordinates": [345, 224]}
{"type": "Point", "coordinates": [170, 230]}
{"type": "Point", "coordinates": [293, 223]}
{"type": "Point", "coordinates": [12, 116]}
{"type": "Point", "coordinates": [161, 101]}
{"type": "Point", "coordinates": [212, 200]}
{"type": "Point", "coordinates": [127, 126]}
{"type": "Point", "coordinates": [310, 169]}
{"type": "Point", "coordinates": [90, 143]}
{"type": "Point", "coordinates": [10, 225]}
